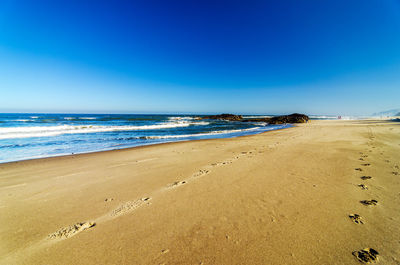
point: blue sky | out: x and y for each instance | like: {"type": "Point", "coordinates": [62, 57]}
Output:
{"type": "Point", "coordinates": [266, 57]}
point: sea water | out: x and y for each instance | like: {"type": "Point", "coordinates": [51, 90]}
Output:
{"type": "Point", "coordinates": [27, 136]}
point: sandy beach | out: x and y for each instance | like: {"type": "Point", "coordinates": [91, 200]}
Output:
{"type": "Point", "coordinates": [316, 193]}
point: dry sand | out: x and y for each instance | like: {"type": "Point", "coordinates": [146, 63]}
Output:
{"type": "Point", "coordinates": [283, 197]}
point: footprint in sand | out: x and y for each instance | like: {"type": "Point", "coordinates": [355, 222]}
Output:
{"type": "Point", "coordinates": [363, 187]}
{"type": "Point", "coordinates": [358, 169]}
{"type": "Point", "coordinates": [367, 255]}
{"type": "Point", "coordinates": [395, 173]}
{"type": "Point", "coordinates": [365, 177]}
{"type": "Point", "coordinates": [71, 230]}
{"type": "Point", "coordinates": [221, 163]}
{"type": "Point", "coordinates": [356, 218]}
{"type": "Point", "coordinates": [361, 159]}
{"type": "Point", "coordinates": [201, 172]}
{"type": "Point", "coordinates": [109, 199]}
{"type": "Point", "coordinates": [177, 183]}
{"type": "Point", "coordinates": [366, 164]}
{"type": "Point", "coordinates": [369, 202]}
{"type": "Point", "coordinates": [129, 206]}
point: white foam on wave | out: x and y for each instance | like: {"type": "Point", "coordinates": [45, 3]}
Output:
{"type": "Point", "coordinates": [200, 123]}
{"type": "Point", "coordinates": [197, 134]}
{"type": "Point", "coordinates": [180, 118]}
{"type": "Point", "coordinates": [23, 120]}
{"type": "Point", "coordinates": [350, 118]}
{"type": "Point", "coordinates": [339, 117]}
{"type": "Point", "coordinates": [43, 131]}
{"type": "Point", "coordinates": [256, 116]}
{"type": "Point", "coordinates": [323, 117]}
{"type": "Point", "coordinates": [87, 118]}
{"type": "Point", "coordinates": [69, 118]}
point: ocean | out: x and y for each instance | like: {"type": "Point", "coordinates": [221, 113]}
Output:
{"type": "Point", "coordinates": [28, 136]}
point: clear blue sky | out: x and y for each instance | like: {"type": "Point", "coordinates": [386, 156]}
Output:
{"type": "Point", "coordinates": [316, 57]}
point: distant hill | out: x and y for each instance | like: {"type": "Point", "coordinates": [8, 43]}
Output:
{"type": "Point", "coordinates": [388, 113]}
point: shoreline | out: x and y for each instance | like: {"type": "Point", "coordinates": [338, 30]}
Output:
{"type": "Point", "coordinates": [23, 138]}
{"type": "Point", "coordinates": [285, 197]}
{"type": "Point", "coordinates": [143, 145]}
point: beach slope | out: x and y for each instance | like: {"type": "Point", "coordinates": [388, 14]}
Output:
{"type": "Point", "coordinates": [325, 192]}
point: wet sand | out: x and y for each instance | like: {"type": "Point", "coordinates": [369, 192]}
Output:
{"type": "Point", "coordinates": [326, 192]}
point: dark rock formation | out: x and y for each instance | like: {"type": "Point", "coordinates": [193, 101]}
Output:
{"type": "Point", "coordinates": [292, 118]}
{"type": "Point", "coordinates": [227, 117]}
{"type": "Point", "coordinates": [257, 120]}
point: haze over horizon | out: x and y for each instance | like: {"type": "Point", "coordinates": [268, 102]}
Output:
{"type": "Point", "coordinates": [262, 57]}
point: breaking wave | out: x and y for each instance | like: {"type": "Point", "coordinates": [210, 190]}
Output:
{"type": "Point", "coordinates": [197, 134]}
{"type": "Point", "coordinates": [43, 131]}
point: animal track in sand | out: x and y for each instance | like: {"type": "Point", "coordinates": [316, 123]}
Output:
{"type": "Point", "coordinates": [71, 230]}
{"type": "Point", "coordinates": [367, 255]}
{"type": "Point", "coordinates": [366, 164]}
{"type": "Point", "coordinates": [395, 173]}
{"type": "Point", "coordinates": [109, 199]}
{"type": "Point", "coordinates": [129, 206]}
{"type": "Point", "coordinates": [363, 187]}
{"type": "Point", "coordinates": [369, 202]}
{"type": "Point", "coordinates": [358, 169]}
{"type": "Point", "coordinates": [356, 218]}
{"type": "Point", "coordinates": [365, 177]}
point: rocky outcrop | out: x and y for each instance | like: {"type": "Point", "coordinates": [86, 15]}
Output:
{"type": "Point", "coordinates": [257, 120]}
{"type": "Point", "coordinates": [292, 118]}
{"type": "Point", "coordinates": [225, 116]}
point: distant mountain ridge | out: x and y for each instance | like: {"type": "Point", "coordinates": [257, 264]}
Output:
{"type": "Point", "coordinates": [390, 113]}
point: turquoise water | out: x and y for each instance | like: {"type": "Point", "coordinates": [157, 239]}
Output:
{"type": "Point", "coordinates": [26, 136]}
